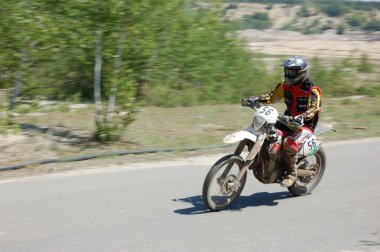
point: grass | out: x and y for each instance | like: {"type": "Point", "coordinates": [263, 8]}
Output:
{"type": "Point", "coordinates": [355, 119]}
{"type": "Point", "coordinates": [206, 125]}
{"type": "Point", "coordinates": [181, 127]}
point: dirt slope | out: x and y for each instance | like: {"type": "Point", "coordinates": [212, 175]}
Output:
{"type": "Point", "coordinates": [276, 41]}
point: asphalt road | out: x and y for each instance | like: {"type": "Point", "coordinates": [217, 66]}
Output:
{"type": "Point", "coordinates": [159, 208]}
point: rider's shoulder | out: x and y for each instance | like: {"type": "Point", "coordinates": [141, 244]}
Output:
{"type": "Point", "coordinates": [308, 85]}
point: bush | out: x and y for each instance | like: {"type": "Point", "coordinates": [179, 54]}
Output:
{"type": "Point", "coordinates": [304, 12]}
{"type": "Point", "coordinates": [341, 29]}
{"type": "Point", "coordinates": [260, 16]}
{"type": "Point", "coordinates": [373, 25]}
{"type": "Point", "coordinates": [232, 6]}
{"type": "Point", "coordinates": [365, 66]}
{"type": "Point", "coordinates": [356, 20]}
{"type": "Point", "coordinates": [332, 80]}
{"type": "Point", "coordinates": [334, 9]}
{"type": "Point", "coordinates": [347, 63]}
{"type": "Point", "coordinates": [326, 27]}
{"type": "Point", "coordinates": [259, 20]}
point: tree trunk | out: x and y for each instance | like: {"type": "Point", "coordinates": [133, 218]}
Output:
{"type": "Point", "coordinates": [18, 81]}
{"type": "Point", "coordinates": [97, 76]}
{"type": "Point", "coordinates": [112, 98]}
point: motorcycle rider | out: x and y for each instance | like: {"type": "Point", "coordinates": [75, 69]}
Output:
{"type": "Point", "coordinates": [303, 102]}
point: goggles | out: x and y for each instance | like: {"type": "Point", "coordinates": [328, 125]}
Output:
{"type": "Point", "coordinates": [291, 72]}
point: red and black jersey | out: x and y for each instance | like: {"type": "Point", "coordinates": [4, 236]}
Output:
{"type": "Point", "coordinates": [303, 98]}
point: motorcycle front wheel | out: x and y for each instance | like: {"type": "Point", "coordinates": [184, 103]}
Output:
{"type": "Point", "coordinates": [220, 188]}
{"type": "Point", "coordinates": [305, 185]}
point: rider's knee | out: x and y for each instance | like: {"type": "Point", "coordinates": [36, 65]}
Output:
{"type": "Point", "coordinates": [290, 146]}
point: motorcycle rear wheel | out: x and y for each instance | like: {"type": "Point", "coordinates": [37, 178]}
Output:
{"type": "Point", "coordinates": [218, 193]}
{"type": "Point", "coordinates": [303, 185]}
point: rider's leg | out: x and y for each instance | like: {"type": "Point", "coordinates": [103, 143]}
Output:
{"type": "Point", "coordinates": [290, 149]}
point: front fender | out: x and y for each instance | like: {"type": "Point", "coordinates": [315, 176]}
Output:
{"type": "Point", "coordinates": [238, 136]}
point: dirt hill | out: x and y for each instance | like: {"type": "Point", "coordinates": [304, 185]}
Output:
{"type": "Point", "coordinates": [323, 42]}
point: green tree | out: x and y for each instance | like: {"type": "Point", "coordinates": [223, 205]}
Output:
{"type": "Point", "coordinates": [118, 52]}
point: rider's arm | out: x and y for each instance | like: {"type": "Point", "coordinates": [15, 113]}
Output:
{"type": "Point", "coordinates": [276, 94]}
{"type": "Point", "coordinates": [313, 105]}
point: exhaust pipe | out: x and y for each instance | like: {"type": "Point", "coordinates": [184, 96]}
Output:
{"type": "Point", "coordinates": [305, 173]}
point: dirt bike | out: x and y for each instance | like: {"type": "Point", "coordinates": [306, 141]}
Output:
{"type": "Point", "coordinates": [226, 179]}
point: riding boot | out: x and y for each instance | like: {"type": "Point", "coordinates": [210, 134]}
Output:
{"type": "Point", "coordinates": [291, 169]}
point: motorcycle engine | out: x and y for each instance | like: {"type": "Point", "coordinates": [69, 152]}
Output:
{"type": "Point", "coordinates": [267, 165]}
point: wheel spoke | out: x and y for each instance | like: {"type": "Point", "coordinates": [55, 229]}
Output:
{"type": "Point", "coordinates": [306, 184]}
{"type": "Point", "coordinates": [220, 190]}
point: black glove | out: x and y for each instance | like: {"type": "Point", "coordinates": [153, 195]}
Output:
{"type": "Point", "coordinates": [299, 119]}
{"type": "Point", "coordinates": [251, 101]}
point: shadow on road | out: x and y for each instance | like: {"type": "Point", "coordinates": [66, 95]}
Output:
{"type": "Point", "coordinates": [254, 200]}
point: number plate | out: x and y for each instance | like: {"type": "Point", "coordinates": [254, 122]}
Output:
{"type": "Point", "coordinates": [310, 146]}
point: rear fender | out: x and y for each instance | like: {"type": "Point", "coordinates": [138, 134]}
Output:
{"type": "Point", "coordinates": [322, 128]}
{"type": "Point", "coordinates": [238, 136]}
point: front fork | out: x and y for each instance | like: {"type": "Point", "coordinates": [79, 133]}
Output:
{"type": "Point", "coordinates": [234, 185]}
{"type": "Point", "coordinates": [251, 156]}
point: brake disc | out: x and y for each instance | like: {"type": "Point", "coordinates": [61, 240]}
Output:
{"type": "Point", "coordinates": [228, 184]}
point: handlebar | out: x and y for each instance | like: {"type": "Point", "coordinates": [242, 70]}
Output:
{"type": "Point", "coordinates": [290, 122]}
{"type": "Point", "coordinates": [253, 104]}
